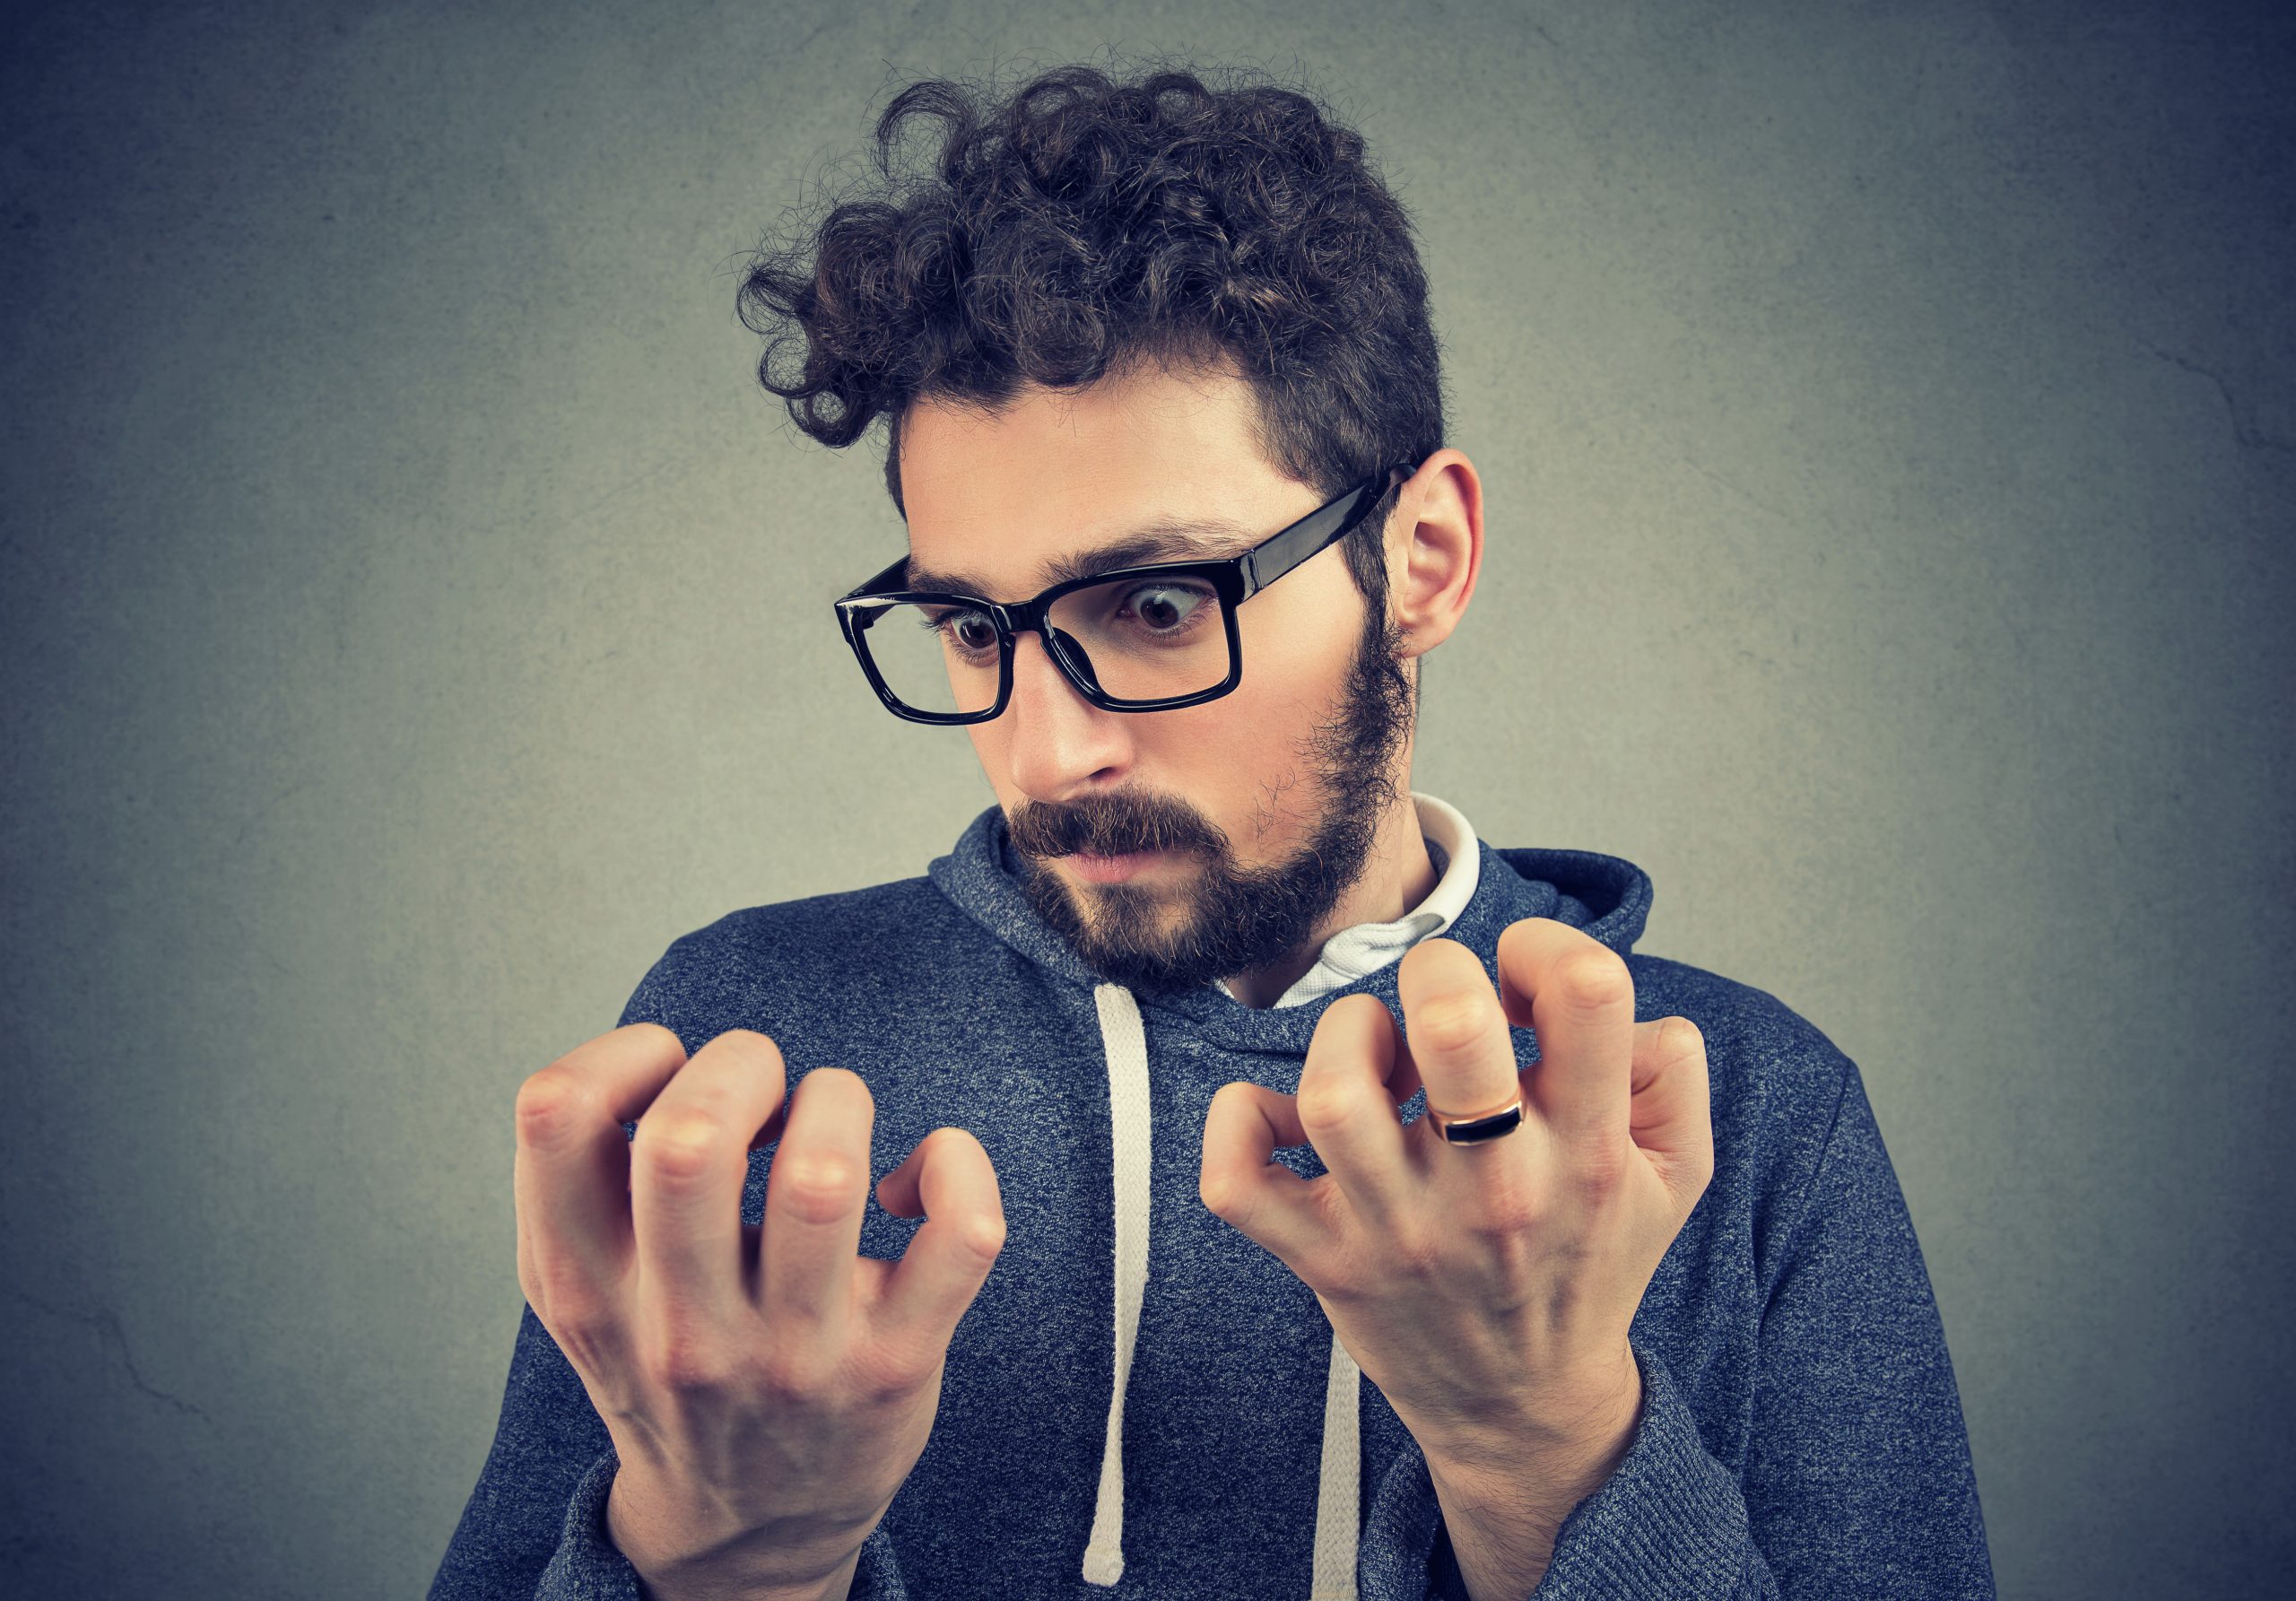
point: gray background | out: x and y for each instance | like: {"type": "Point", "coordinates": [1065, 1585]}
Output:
{"type": "Point", "coordinates": [416, 618]}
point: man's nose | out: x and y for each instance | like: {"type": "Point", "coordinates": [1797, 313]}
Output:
{"type": "Point", "coordinates": [1060, 743]}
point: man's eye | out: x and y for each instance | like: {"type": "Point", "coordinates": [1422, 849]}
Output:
{"type": "Point", "coordinates": [1165, 608]}
{"type": "Point", "coordinates": [967, 630]}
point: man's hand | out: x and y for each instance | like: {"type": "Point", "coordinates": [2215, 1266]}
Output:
{"type": "Point", "coordinates": [1486, 1289]}
{"type": "Point", "coordinates": [768, 1388]}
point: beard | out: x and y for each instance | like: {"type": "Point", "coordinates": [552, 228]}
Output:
{"type": "Point", "coordinates": [1230, 919]}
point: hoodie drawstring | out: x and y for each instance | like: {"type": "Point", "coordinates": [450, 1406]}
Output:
{"type": "Point", "coordinates": [1124, 1043]}
{"type": "Point", "coordinates": [1336, 1488]}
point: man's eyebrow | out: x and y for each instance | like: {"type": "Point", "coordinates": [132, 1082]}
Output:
{"type": "Point", "coordinates": [1196, 539]}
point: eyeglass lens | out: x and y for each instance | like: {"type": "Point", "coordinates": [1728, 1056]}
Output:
{"type": "Point", "coordinates": [1141, 639]}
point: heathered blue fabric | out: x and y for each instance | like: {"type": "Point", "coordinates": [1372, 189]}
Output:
{"type": "Point", "coordinates": [1801, 1433]}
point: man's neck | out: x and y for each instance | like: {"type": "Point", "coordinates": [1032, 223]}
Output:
{"type": "Point", "coordinates": [1398, 875]}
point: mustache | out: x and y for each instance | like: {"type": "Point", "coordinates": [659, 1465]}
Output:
{"type": "Point", "coordinates": [1110, 825]}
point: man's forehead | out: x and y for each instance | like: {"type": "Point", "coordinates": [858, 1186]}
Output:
{"type": "Point", "coordinates": [1008, 498]}
{"type": "Point", "coordinates": [978, 562]}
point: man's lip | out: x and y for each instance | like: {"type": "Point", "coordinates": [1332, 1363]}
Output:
{"type": "Point", "coordinates": [1113, 869]}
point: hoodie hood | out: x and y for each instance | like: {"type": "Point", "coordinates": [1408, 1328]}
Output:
{"type": "Point", "coordinates": [1604, 896]}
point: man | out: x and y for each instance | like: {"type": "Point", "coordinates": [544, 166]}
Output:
{"type": "Point", "coordinates": [1591, 1278]}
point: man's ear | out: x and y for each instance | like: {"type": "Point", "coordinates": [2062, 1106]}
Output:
{"type": "Point", "coordinates": [1434, 549]}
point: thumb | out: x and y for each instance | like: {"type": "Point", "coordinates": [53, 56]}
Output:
{"type": "Point", "coordinates": [899, 1191]}
{"type": "Point", "coordinates": [1671, 1113]}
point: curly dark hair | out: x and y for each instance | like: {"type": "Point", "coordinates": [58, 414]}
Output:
{"type": "Point", "coordinates": [1084, 225]}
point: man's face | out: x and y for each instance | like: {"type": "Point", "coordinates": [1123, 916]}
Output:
{"type": "Point", "coordinates": [1169, 848]}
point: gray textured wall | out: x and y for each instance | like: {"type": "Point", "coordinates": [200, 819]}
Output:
{"type": "Point", "coordinates": [416, 619]}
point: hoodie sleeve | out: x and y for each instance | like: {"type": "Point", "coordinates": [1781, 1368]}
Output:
{"type": "Point", "coordinates": [535, 1525]}
{"type": "Point", "coordinates": [1857, 1479]}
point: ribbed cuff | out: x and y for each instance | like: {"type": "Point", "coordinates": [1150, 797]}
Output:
{"type": "Point", "coordinates": [1398, 1531]}
{"type": "Point", "coordinates": [589, 1566]}
{"type": "Point", "coordinates": [1670, 1521]}
{"type": "Point", "coordinates": [876, 1577]}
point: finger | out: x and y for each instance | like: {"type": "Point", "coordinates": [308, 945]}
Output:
{"type": "Point", "coordinates": [1671, 1116]}
{"type": "Point", "coordinates": [1344, 1107]}
{"type": "Point", "coordinates": [1459, 1042]}
{"type": "Point", "coordinates": [1265, 1201]}
{"type": "Point", "coordinates": [1578, 997]}
{"type": "Point", "coordinates": [688, 1166]}
{"type": "Point", "coordinates": [815, 1198]}
{"type": "Point", "coordinates": [950, 1181]}
{"type": "Point", "coordinates": [570, 1179]}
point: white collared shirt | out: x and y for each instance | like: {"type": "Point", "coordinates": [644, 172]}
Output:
{"type": "Point", "coordinates": [1367, 947]}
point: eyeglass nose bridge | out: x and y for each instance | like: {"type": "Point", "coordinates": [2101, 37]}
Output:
{"type": "Point", "coordinates": [1067, 651]}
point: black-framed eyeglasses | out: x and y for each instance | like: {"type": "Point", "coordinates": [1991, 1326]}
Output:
{"type": "Point", "coordinates": [1136, 638]}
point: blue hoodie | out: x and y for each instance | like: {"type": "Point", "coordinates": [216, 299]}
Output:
{"type": "Point", "coordinates": [1143, 1403]}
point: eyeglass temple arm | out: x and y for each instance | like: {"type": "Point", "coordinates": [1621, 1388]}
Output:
{"type": "Point", "coordinates": [1287, 550]}
{"type": "Point", "coordinates": [888, 581]}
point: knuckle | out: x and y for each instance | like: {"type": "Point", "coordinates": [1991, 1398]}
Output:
{"type": "Point", "coordinates": [1680, 1038]}
{"type": "Point", "coordinates": [1598, 1169]}
{"type": "Point", "coordinates": [1325, 1106]}
{"type": "Point", "coordinates": [823, 1185]}
{"type": "Point", "coordinates": [1417, 1257]}
{"type": "Point", "coordinates": [1341, 1279]}
{"type": "Point", "coordinates": [794, 1378]}
{"type": "Point", "coordinates": [883, 1375]}
{"type": "Point", "coordinates": [1595, 978]}
{"type": "Point", "coordinates": [1508, 1216]}
{"type": "Point", "coordinates": [576, 1313]}
{"type": "Point", "coordinates": [679, 1147]}
{"type": "Point", "coordinates": [984, 1235]}
{"type": "Point", "coordinates": [1506, 1208]}
{"type": "Point", "coordinates": [689, 1363]}
{"type": "Point", "coordinates": [553, 1104]}
{"type": "Point", "coordinates": [1451, 1023]}
{"type": "Point", "coordinates": [590, 1344]}
{"type": "Point", "coordinates": [1218, 1196]}
{"type": "Point", "coordinates": [894, 1369]}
